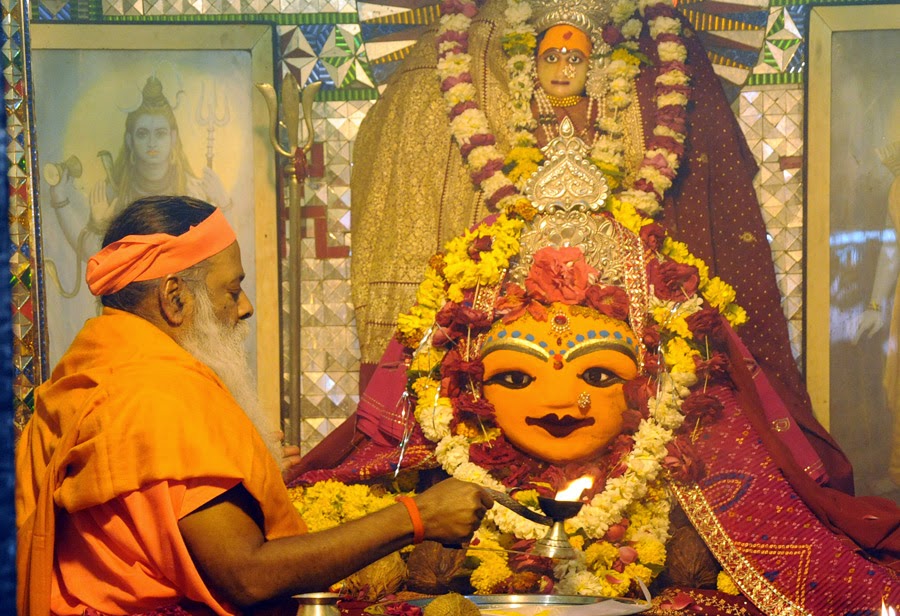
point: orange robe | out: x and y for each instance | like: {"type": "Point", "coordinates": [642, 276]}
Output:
{"type": "Point", "coordinates": [130, 434]}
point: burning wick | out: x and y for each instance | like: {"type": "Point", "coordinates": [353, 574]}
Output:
{"type": "Point", "coordinates": [887, 611]}
{"type": "Point", "coordinates": [575, 489]}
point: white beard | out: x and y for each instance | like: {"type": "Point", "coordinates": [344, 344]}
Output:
{"type": "Point", "coordinates": [222, 349]}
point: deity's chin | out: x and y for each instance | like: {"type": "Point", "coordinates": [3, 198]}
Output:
{"type": "Point", "coordinates": [576, 446]}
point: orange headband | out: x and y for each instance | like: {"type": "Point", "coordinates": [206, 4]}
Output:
{"type": "Point", "coordinates": [564, 35]}
{"type": "Point", "coordinates": [145, 257]}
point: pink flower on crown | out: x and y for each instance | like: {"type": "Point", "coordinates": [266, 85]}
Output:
{"type": "Point", "coordinates": [559, 275]}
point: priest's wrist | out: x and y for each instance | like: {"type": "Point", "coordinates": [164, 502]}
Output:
{"type": "Point", "coordinates": [415, 517]}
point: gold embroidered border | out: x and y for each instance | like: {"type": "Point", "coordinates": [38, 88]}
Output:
{"type": "Point", "coordinates": [746, 577]}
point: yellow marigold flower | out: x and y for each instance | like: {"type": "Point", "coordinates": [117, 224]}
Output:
{"type": "Point", "coordinates": [577, 541]}
{"type": "Point", "coordinates": [678, 326]}
{"type": "Point", "coordinates": [600, 555]}
{"type": "Point", "coordinates": [725, 584]}
{"type": "Point", "coordinates": [736, 315]}
{"type": "Point", "coordinates": [529, 498]}
{"type": "Point", "coordinates": [522, 154]}
{"type": "Point", "coordinates": [627, 215]}
{"type": "Point", "coordinates": [412, 326]}
{"type": "Point", "coordinates": [524, 208]}
{"type": "Point", "coordinates": [436, 262]}
{"type": "Point", "coordinates": [520, 171]}
{"type": "Point", "coordinates": [625, 56]}
{"type": "Point", "coordinates": [675, 250]}
{"type": "Point", "coordinates": [611, 588]}
{"type": "Point", "coordinates": [719, 293]}
{"type": "Point", "coordinates": [427, 360]}
{"type": "Point", "coordinates": [519, 43]}
{"type": "Point", "coordinates": [651, 552]}
{"type": "Point", "coordinates": [679, 355]}
{"type": "Point", "coordinates": [469, 431]}
{"type": "Point", "coordinates": [455, 294]}
{"type": "Point", "coordinates": [637, 571]}
{"type": "Point", "coordinates": [492, 571]}
{"type": "Point", "coordinates": [425, 387]}
{"type": "Point", "coordinates": [702, 268]}
{"type": "Point", "coordinates": [431, 291]}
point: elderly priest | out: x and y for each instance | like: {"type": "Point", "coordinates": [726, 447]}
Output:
{"type": "Point", "coordinates": [143, 481]}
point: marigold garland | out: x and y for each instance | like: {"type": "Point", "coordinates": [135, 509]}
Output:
{"type": "Point", "coordinates": [621, 532]}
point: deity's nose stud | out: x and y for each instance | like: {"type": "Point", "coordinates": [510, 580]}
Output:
{"type": "Point", "coordinates": [584, 401]}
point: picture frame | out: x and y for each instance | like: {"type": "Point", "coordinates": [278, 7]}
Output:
{"type": "Point", "coordinates": [853, 118]}
{"type": "Point", "coordinates": [102, 97]}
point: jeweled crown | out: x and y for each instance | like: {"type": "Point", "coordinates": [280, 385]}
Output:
{"type": "Point", "coordinates": [586, 15]}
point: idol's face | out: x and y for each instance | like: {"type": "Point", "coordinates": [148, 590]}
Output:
{"type": "Point", "coordinates": [557, 386]}
{"type": "Point", "coordinates": [562, 72]}
{"type": "Point", "coordinates": [151, 139]}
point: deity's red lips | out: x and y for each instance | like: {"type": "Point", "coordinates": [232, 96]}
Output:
{"type": "Point", "coordinates": [559, 426]}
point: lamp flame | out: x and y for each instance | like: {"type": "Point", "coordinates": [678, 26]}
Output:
{"type": "Point", "coordinates": [575, 488]}
{"type": "Point", "coordinates": [887, 610]}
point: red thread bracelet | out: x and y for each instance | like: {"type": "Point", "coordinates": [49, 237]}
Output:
{"type": "Point", "coordinates": [413, 510]}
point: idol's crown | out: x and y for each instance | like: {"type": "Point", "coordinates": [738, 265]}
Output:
{"type": "Point", "coordinates": [583, 14]}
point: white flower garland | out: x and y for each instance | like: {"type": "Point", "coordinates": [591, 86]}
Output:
{"type": "Point", "coordinates": [615, 80]}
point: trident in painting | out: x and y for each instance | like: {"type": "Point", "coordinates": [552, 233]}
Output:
{"type": "Point", "coordinates": [211, 116]}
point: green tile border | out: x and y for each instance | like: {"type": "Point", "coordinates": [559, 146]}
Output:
{"type": "Point", "coordinates": [774, 79]}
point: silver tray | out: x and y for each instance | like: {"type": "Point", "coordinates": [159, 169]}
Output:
{"type": "Point", "coordinates": [576, 605]}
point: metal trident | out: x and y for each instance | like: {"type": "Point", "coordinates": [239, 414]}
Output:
{"type": "Point", "coordinates": [293, 99]}
{"type": "Point", "coordinates": [295, 171]}
{"type": "Point", "coordinates": [210, 117]}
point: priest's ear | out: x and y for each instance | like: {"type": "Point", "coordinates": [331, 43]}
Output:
{"type": "Point", "coordinates": [174, 299]}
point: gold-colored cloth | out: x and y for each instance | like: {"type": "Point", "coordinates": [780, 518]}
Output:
{"type": "Point", "coordinates": [410, 190]}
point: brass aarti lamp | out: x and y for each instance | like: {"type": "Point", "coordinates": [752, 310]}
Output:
{"type": "Point", "coordinates": [555, 544]}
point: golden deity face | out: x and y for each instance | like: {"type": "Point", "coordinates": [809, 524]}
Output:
{"type": "Point", "coordinates": [557, 385]}
{"type": "Point", "coordinates": [562, 72]}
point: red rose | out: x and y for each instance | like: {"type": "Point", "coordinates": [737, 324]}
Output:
{"type": "Point", "coordinates": [457, 321]}
{"type": "Point", "coordinates": [714, 369]}
{"type": "Point", "coordinates": [559, 275]}
{"type": "Point", "coordinates": [673, 117]}
{"type": "Point", "coordinates": [620, 447]}
{"type": "Point", "coordinates": [651, 363]}
{"type": "Point", "coordinates": [653, 236]}
{"type": "Point", "coordinates": [615, 533]}
{"type": "Point", "coordinates": [516, 302]}
{"type": "Point", "coordinates": [498, 452]}
{"type": "Point", "coordinates": [631, 419]}
{"type": "Point", "coordinates": [673, 281]}
{"type": "Point", "coordinates": [456, 374]}
{"type": "Point", "coordinates": [707, 323]}
{"type": "Point", "coordinates": [666, 143]}
{"type": "Point", "coordinates": [609, 300]}
{"type": "Point", "coordinates": [612, 35]}
{"type": "Point", "coordinates": [480, 245]}
{"type": "Point", "coordinates": [479, 407]}
{"type": "Point", "coordinates": [645, 185]}
{"type": "Point", "coordinates": [681, 461]}
{"type": "Point", "coordinates": [651, 337]}
{"type": "Point", "coordinates": [700, 405]}
{"type": "Point", "coordinates": [638, 392]}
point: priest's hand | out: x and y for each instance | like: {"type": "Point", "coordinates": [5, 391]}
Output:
{"type": "Point", "coordinates": [452, 510]}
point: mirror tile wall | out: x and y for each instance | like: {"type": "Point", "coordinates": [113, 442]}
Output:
{"type": "Point", "coordinates": [757, 47]}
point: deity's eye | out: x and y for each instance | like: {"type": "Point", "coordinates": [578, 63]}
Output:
{"type": "Point", "coordinates": [550, 57]}
{"type": "Point", "coordinates": [511, 379]}
{"type": "Point", "coordinates": [600, 377]}
{"type": "Point", "coordinates": [575, 59]}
